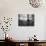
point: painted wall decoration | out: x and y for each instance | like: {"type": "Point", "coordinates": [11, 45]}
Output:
{"type": "Point", "coordinates": [27, 20]}
{"type": "Point", "coordinates": [36, 3]}
{"type": "Point", "coordinates": [5, 24]}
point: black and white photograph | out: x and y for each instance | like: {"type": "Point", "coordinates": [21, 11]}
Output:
{"type": "Point", "coordinates": [26, 20]}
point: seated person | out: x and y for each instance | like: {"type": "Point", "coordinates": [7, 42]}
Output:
{"type": "Point", "coordinates": [34, 38]}
{"type": "Point", "coordinates": [10, 37]}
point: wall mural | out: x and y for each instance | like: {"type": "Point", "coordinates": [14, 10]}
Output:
{"type": "Point", "coordinates": [35, 3]}
{"type": "Point", "coordinates": [27, 20]}
{"type": "Point", "coordinates": [5, 25]}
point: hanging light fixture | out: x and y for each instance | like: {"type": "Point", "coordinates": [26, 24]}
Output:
{"type": "Point", "coordinates": [36, 3]}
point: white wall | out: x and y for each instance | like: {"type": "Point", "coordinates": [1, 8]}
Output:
{"type": "Point", "coordinates": [11, 8]}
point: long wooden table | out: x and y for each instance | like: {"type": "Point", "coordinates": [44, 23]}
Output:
{"type": "Point", "coordinates": [27, 42]}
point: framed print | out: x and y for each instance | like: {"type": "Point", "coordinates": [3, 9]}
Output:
{"type": "Point", "coordinates": [27, 20]}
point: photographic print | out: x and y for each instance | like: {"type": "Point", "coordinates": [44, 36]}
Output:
{"type": "Point", "coordinates": [27, 20]}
